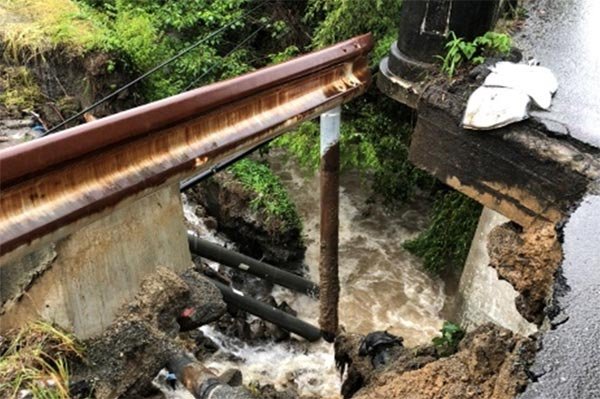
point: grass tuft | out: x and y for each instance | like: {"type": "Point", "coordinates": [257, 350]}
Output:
{"type": "Point", "coordinates": [18, 88]}
{"type": "Point", "coordinates": [29, 28]}
{"type": "Point", "coordinates": [37, 360]}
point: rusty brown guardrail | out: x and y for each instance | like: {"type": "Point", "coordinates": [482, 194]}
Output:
{"type": "Point", "coordinates": [54, 185]}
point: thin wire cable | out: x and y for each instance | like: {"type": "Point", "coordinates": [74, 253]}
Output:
{"type": "Point", "coordinates": [240, 44]}
{"type": "Point", "coordinates": [151, 71]}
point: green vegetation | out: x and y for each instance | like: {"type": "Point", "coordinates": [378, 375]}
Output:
{"type": "Point", "coordinates": [446, 242]}
{"type": "Point", "coordinates": [447, 344]}
{"type": "Point", "coordinates": [374, 134]}
{"type": "Point", "coordinates": [458, 50]}
{"type": "Point", "coordinates": [357, 151]}
{"type": "Point", "coordinates": [140, 34]}
{"type": "Point", "coordinates": [271, 197]}
{"type": "Point", "coordinates": [30, 29]}
{"type": "Point", "coordinates": [37, 360]}
{"type": "Point", "coordinates": [343, 19]}
{"type": "Point", "coordinates": [374, 140]}
{"type": "Point", "coordinates": [18, 89]}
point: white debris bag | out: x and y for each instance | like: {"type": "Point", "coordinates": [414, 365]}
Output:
{"type": "Point", "coordinates": [506, 94]}
{"type": "Point", "coordinates": [494, 107]}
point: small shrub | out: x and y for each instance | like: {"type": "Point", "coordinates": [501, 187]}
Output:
{"type": "Point", "coordinates": [303, 144]}
{"type": "Point", "coordinates": [342, 19]}
{"type": "Point", "coordinates": [285, 55]}
{"type": "Point", "coordinates": [458, 50]}
{"type": "Point", "coordinates": [447, 344]}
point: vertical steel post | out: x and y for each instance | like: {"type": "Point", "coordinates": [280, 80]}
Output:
{"type": "Point", "coordinates": [329, 283]}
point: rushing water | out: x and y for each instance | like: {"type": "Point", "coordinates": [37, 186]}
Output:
{"type": "Point", "coordinates": [383, 286]}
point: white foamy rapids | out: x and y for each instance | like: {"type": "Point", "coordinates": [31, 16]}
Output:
{"type": "Point", "coordinates": [201, 230]}
{"type": "Point", "coordinates": [309, 367]}
{"type": "Point", "coordinates": [189, 211]}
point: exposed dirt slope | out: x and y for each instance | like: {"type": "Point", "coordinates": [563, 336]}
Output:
{"type": "Point", "coordinates": [490, 364]}
{"type": "Point", "coordinates": [528, 261]}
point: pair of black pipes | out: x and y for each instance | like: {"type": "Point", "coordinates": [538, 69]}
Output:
{"type": "Point", "coordinates": [270, 273]}
{"type": "Point", "coordinates": [328, 264]}
{"type": "Point", "coordinates": [252, 266]}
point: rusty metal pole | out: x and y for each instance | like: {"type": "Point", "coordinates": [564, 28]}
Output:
{"type": "Point", "coordinates": [329, 283]}
{"type": "Point", "coordinates": [202, 382]}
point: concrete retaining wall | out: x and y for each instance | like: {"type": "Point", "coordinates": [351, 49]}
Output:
{"type": "Point", "coordinates": [484, 297]}
{"type": "Point", "coordinates": [94, 271]}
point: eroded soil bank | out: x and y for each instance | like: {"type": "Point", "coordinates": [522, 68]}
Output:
{"type": "Point", "coordinates": [528, 260]}
{"type": "Point", "coordinates": [491, 362]}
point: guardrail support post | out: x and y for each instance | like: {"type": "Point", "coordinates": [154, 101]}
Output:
{"type": "Point", "coordinates": [329, 284]}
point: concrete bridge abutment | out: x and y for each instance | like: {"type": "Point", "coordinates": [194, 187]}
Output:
{"type": "Point", "coordinates": [81, 281]}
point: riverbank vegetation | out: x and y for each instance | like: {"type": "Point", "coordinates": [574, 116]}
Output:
{"type": "Point", "coordinates": [135, 36]}
{"type": "Point", "coordinates": [269, 194]}
{"type": "Point", "coordinates": [445, 244]}
{"type": "Point", "coordinates": [375, 138]}
{"type": "Point", "coordinates": [35, 360]}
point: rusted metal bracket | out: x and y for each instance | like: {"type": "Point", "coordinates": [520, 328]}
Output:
{"type": "Point", "coordinates": [53, 186]}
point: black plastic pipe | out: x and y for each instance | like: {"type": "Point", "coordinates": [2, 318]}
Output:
{"type": "Point", "coordinates": [269, 313]}
{"type": "Point", "coordinates": [252, 266]}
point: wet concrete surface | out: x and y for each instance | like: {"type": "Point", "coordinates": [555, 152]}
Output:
{"type": "Point", "coordinates": [568, 365]}
{"type": "Point", "coordinates": [563, 36]}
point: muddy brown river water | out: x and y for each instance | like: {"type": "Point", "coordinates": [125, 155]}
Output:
{"type": "Point", "coordinates": [383, 286]}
